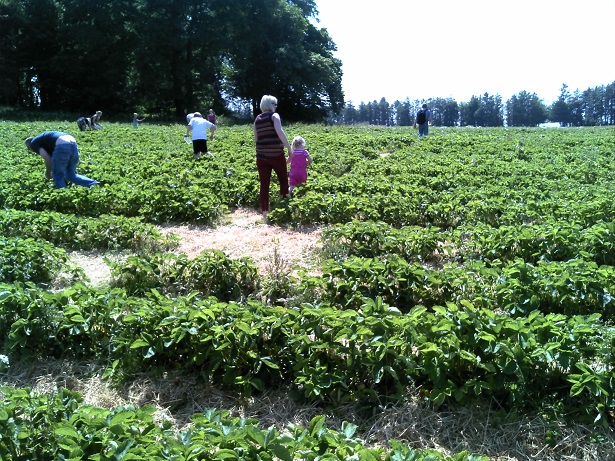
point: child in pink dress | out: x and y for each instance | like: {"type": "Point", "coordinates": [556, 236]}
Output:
{"type": "Point", "coordinates": [299, 160]}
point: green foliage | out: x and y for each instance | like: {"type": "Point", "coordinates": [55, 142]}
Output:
{"type": "Point", "coordinates": [368, 355]}
{"type": "Point", "coordinates": [64, 428]}
{"type": "Point", "coordinates": [372, 239]}
{"type": "Point", "coordinates": [30, 260]}
{"type": "Point", "coordinates": [130, 70]}
{"type": "Point", "coordinates": [69, 231]}
{"type": "Point", "coordinates": [77, 322]}
{"type": "Point", "coordinates": [461, 266]}
{"type": "Point", "coordinates": [211, 273]}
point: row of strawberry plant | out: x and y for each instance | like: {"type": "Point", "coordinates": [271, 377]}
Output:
{"type": "Point", "coordinates": [326, 201]}
{"type": "Point", "coordinates": [211, 273]}
{"type": "Point", "coordinates": [367, 355]}
{"type": "Point", "coordinates": [34, 260]}
{"type": "Point", "coordinates": [388, 176]}
{"type": "Point", "coordinates": [369, 239]}
{"type": "Point", "coordinates": [550, 241]}
{"type": "Point", "coordinates": [83, 233]}
{"type": "Point", "coordinates": [67, 429]}
{"type": "Point", "coordinates": [570, 287]}
{"type": "Point", "coordinates": [145, 173]}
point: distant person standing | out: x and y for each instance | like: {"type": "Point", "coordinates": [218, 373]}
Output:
{"type": "Point", "coordinates": [136, 120]}
{"type": "Point", "coordinates": [198, 126]}
{"type": "Point", "coordinates": [423, 119]}
{"type": "Point", "coordinates": [270, 142]}
{"type": "Point", "coordinates": [211, 116]}
{"type": "Point", "coordinates": [61, 155]}
{"type": "Point", "coordinates": [299, 160]}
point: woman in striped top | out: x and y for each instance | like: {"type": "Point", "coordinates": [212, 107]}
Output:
{"type": "Point", "coordinates": [270, 143]}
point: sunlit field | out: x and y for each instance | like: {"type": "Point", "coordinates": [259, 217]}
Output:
{"type": "Point", "coordinates": [466, 279]}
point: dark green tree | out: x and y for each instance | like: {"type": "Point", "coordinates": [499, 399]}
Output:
{"type": "Point", "coordinates": [609, 104]}
{"type": "Point", "coordinates": [444, 112]}
{"type": "Point", "coordinates": [383, 113]}
{"type": "Point", "coordinates": [350, 115]}
{"type": "Point", "coordinates": [365, 113]}
{"type": "Point", "coordinates": [39, 55]}
{"type": "Point", "coordinates": [97, 45]}
{"type": "Point", "coordinates": [278, 51]}
{"type": "Point", "coordinates": [58, 55]}
{"type": "Point", "coordinates": [160, 63]}
{"type": "Point", "coordinates": [402, 113]}
{"type": "Point", "coordinates": [484, 111]}
{"type": "Point", "coordinates": [575, 102]}
{"type": "Point", "coordinates": [167, 56]}
{"type": "Point", "coordinates": [12, 62]}
{"type": "Point", "coordinates": [560, 110]}
{"type": "Point", "coordinates": [467, 111]}
{"type": "Point", "coordinates": [179, 59]}
{"type": "Point", "coordinates": [593, 106]}
{"type": "Point", "coordinates": [525, 109]}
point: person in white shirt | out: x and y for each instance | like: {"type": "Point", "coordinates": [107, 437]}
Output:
{"type": "Point", "coordinates": [198, 127]}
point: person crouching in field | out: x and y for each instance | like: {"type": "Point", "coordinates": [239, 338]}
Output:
{"type": "Point", "coordinates": [84, 123]}
{"type": "Point", "coordinates": [91, 123]}
{"type": "Point", "coordinates": [299, 160]}
{"type": "Point", "coordinates": [61, 155]}
{"type": "Point", "coordinates": [95, 121]}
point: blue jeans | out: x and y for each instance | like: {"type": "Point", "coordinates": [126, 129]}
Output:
{"type": "Point", "coordinates": [64, 166]}
{"type": "Point", "coordinates": [423, 129]}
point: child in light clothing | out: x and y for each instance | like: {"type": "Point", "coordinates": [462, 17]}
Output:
{"type": "Point", "coordinates": [299, 160]}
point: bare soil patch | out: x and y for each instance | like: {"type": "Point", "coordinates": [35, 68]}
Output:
{"type": "Point", "coordinates": [244, 234]}
{"type": "Point", "coordinates": [241, 233]}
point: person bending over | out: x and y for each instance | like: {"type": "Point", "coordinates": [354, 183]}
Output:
{"type": "Point", "coordinates": [61, 155]}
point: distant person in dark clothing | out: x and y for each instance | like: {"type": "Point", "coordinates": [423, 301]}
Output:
{"type": "Point", "coordinates": [61, 155]}
{"type": "Point", "coordinates": [84, 123]}
{"type": "Point", "coordinates": [90, 123]}
{"type": "Point", "coordinates": [270, 143]}
{"type": "Point", "coordinates": [423, 119]}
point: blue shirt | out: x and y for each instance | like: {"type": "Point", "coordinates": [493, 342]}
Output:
{"type": "Point", "coordinates": [46, 140]}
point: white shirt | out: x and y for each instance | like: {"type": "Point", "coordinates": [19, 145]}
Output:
{"type": "Point", "coordinates": [199, 127]}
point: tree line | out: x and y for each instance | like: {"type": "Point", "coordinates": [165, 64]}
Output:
{"type": "Point", "coordinates": [171, 57]}
{"type": "Point", "coordinates": [594, 106]}
{"type": "Point", "coordinates": [167, 57]}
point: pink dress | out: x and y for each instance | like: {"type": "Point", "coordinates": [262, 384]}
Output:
{"type": "Point", "coordinates": [298, 167]}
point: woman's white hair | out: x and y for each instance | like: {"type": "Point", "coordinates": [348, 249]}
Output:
{"type": "Point", "coordinates": [268, 103]}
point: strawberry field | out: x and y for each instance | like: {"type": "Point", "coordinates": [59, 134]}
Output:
{"type": "Point", "coordinates": [475, 267]}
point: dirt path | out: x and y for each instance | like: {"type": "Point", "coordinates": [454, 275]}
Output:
{"type": "Point", "coordinates": [242, 234]}
{"type": "Point", "coordinates": [246, 235]}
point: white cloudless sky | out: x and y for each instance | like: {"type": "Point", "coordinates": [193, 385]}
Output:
{"type": "Point", "coordinates": [462, 48]}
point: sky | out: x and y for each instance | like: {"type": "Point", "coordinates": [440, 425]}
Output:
{"type": "Point", "coordinates": [400, 49]}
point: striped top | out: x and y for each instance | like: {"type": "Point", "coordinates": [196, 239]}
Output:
{"type": "Point", "coordinates": [268, 144]}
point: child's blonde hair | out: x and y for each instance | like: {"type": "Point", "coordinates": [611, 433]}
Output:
{"type": "Point", "coordinates": [298, 141]}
